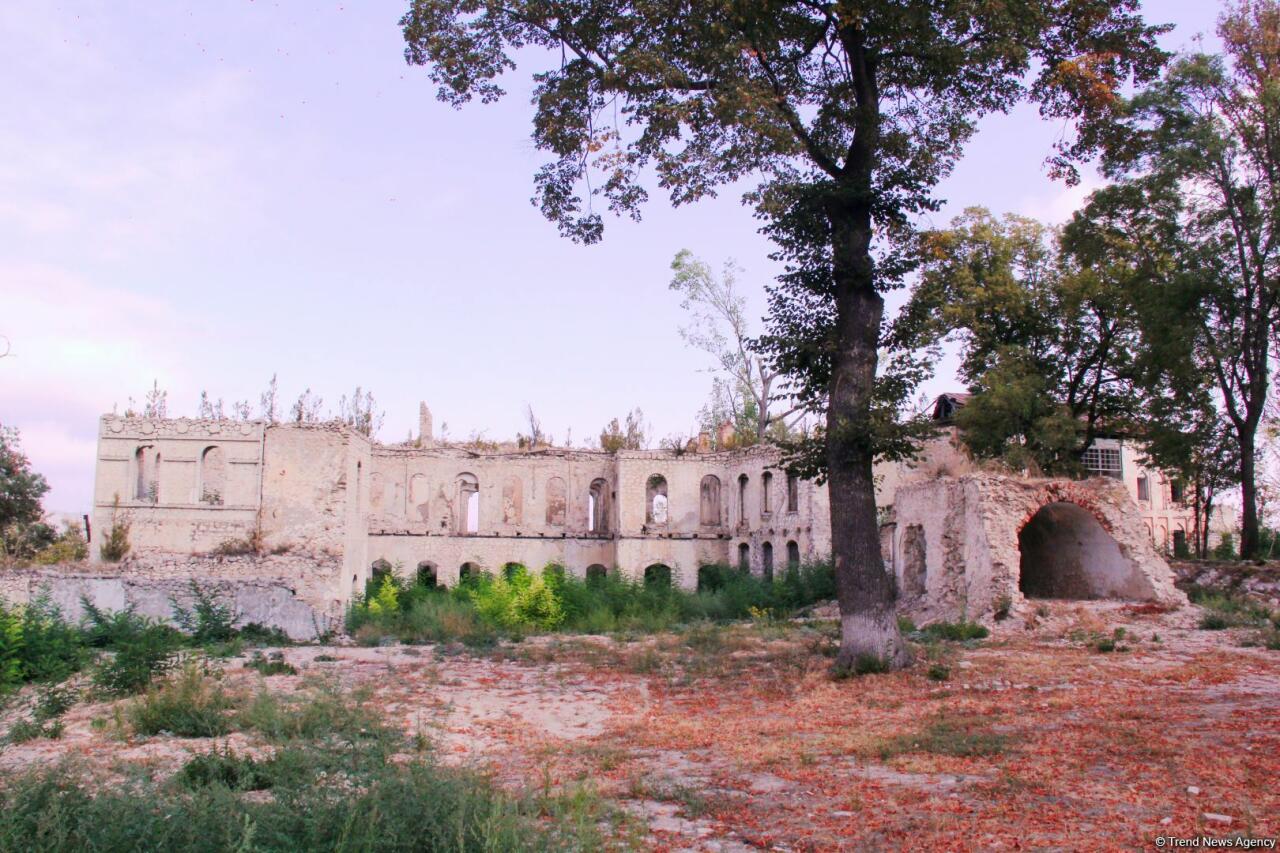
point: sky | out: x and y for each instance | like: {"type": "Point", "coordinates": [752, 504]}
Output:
{"type": "Point", "coordinates": [206, 194]}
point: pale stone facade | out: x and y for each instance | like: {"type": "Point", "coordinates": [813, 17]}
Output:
{"type": "Point", "coordinates": [977, 546]}
{"type": "Point", "coordinates": [327, 491]}
{"type": "Point", "coordinates": [320, 506]}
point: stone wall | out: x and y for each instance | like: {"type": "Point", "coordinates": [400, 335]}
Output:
{"type": "Point", "coordinates": [289, 592]}
{"type": "Point", "coordinates": [329, 490]}
{"type": "Point", "coordinates": [957, 545]}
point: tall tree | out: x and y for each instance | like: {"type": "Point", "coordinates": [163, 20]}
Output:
{"type": "Point", "coordinates": [1047, 334]}
{"type": "Point", "coordinates": [743, 391]}
{"type": "Point", "coordinates": [848, 113]}
{"type": "Point", "coordinates": [21, 490]}
{"type": "Point", "coordinates": [1197, 160]}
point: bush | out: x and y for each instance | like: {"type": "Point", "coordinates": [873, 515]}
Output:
{"type": "Point", "coordinates": [1226, 548]}
{"type": "Point", "coordinates": [273, 664]}
{"type": "Point", "coordinates": [116, 545]}
{"type": "Point", "coordinates": [225, 768]}
{"type": "Point", "coordinates": [207, 620]}
{"type": "Point", "coordinates": [518, 602]}
{"type": "Point", "coordinates": [69, 547]}
{"type": "Point", "coordinates": [37, 644]}
{"type": "Point", "coordinates": [139, 658]}
{"type": "Point", "coordinates": [956, 631]}
{"type": "Point", "coordinates": [191, 705]}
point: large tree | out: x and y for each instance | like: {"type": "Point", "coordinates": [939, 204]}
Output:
{"type": "Point", "coordinates": [743, 390]}
{"type": "Point", "coordinates": [21, 490]}
{"type": "Point", "coordinates": [1196, 158]}
{"type": "Point", "coordinates": [1046, 333]}
{"type": "Point", "coordinates": [847, 113]}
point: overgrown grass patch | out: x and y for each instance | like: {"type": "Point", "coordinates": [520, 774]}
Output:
{"type": "Point", "coordinates": [1231, 610]}
{"type": "Point", "coordinates": [962, 737]}
{"type": "Point", "coordinates": [190, 705]}
{"type": "Point", "coordinates": [955, 631]}
{"type": "Point", "coordinates": [483, 609]}
{"type": "Point", "coordinates": [414, 805]}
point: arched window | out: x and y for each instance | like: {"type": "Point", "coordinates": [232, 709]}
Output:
{"type": "Point", "coordinates": [213, 476]}
{"type": "Point", "coordinates": [793, 555]}
{"type": "Point", "coordinates": [378, 571]}
{"type": "Point", "coordinates": [510, 570]}
{"type": "Point", "coordinates": [427, 575]}
{"type": "Point", "coordinates": [419, 496]}
{"type": "Point", "coordinates": [598, 507]}
{"type": "Point", "coordinates": [512, 501]}
{"type": "Point", "coordinates": [710, 578]}
{"type": "Point", "coordinates": [656, 500]}
{"type": "Point", "coordinates": [657, 576]}
{"type": "Point", "coordinates": [556, 502]}
{"type": "Point", "coordinates": [742, 499]}
{"type": "Point", "coordinates": [766, 561]}
{"type": "Point", "coordinates": [140, 474]}
{"type": "Point", "coordinates": [709, 501]}
{"type": "Point", "coordinates": [596, 573]}
{"type": "Point", "coordinates": [468, 572]}
{"type": "Point", "coordinates": [468, 503]}
{"type": "Point", "coordinates": [376, 492]}
{"type": "Point", "coordinates": [766, 486]}
{"type": "Point", "coordinates": [744, 558]}
{"type": "Point", "coordinates": [793, 492]}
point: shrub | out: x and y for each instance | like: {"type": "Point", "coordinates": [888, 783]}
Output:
{"type": "Point", "coordinates": [939, 672]}
{"type": "Point", "coordinates": [116, 545]}
{"type": "Point", "coordinates": [956, 631]}
{"type": "Point", "coordinates": [191, 705]}
{"type": "Point", "coordinates": [237, 772]}
{"type": "Point", "coordinates": [139, 659]}
{"type": "Point", "coordinates": [37, 644]}
{"type": "Point", "coordinates": [273, 664]}
{"type": "Point", "coordinates": [207, 620]}
{"type": "Point", "coordinates": [69, 547]}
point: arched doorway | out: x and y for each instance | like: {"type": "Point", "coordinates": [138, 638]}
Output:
{"type": "Point", "coordinates": [657, 576]}
{"type": "Point", "coordinates": [1066, 553]}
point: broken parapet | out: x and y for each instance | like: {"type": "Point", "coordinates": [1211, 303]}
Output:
{"type": "Point", "coordinates": [973, 546]}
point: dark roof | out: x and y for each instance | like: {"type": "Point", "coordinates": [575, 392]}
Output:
{"type": "Point", "coordinates": [946, 405]}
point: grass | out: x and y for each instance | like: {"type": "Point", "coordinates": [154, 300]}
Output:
{"type": "Point", "coordinates": [332, 781]}
{"type": "Point", "coordinates": [1231, 610]}
{"type": "Point", "coordinates": [415, 805]}
{"type": "Point", "coordinates": [955, 631]}
{"type": "Point", "coordinates": [190, 705]}
{"type": "Point", "coordinates": [960, 737]}
{"type": "Point", "coordinates": [483, 610]}
{"type": "Point", "coordinates": [271, 664]}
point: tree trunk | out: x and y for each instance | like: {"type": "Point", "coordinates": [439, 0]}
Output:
{"type": "Point", "coordinates": [866, 592]}
{"type": "Point", "coordinates": [1248, 493]}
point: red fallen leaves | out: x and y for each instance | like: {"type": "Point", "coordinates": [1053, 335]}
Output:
{"type": "Point", "coordinates": [1099, 748]}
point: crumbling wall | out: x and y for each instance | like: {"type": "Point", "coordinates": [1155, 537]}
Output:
{"type": "Point", "coordinates": [1094, 547]}
{"type": "Point", "coordinates": [289, 592]}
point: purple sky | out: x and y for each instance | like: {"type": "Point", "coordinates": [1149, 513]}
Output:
{"type": "Point", "coordinates": [209, 193]}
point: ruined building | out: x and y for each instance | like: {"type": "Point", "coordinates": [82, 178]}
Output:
{"type": "Point", "coordinates": [290, 520]}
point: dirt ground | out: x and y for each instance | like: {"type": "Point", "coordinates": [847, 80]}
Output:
{"type": "Point", "coordinates": [736, 739]}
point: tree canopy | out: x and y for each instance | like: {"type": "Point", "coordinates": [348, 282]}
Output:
{"type": "Point", "coordinates": [845, 116]}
